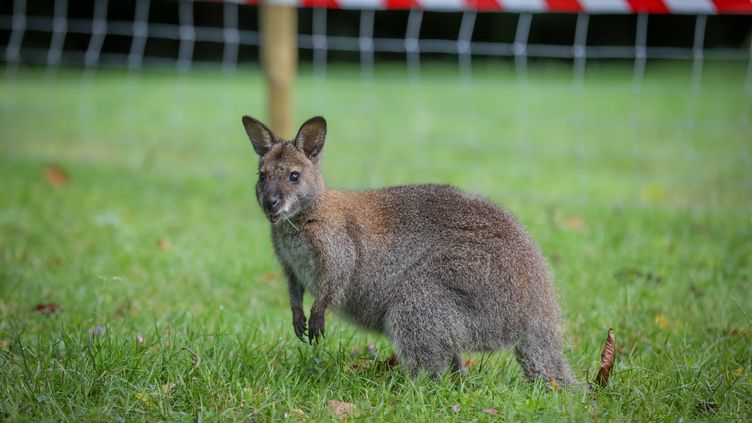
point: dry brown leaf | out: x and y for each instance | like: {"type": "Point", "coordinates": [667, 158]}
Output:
{"type": "Point", "coordinates": [47, 308]}
{"type": "Point", "coordinates": [735, 332]}
{"type": "Point", "coordinates": [55, 176]}
{"type": "Point", "coordinates": [490, 411]}
{"type": "Point", "coordinates": [341, 409]}
{"type": "Point", "coordinates": [164, 244]}
{"type": "Point", "coordinates": [573, 222]}
{"type": "Point", "coordinates": [271, 277]}
{"type": "Point", "coordinates": [470, 362]}
{"type": "Point", "coordinates": [607, 360]}
{"type": "Point", "coordinates": [554, 384]}
{"type": "Point", "coordinates": [167, 387]}
{"type": "Point", "coordinates": [662, 321]}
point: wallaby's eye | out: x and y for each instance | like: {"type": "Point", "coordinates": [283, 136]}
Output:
{"type": "Point", "coordinates": [262, 176]}
{"type": "Point", "coordinates": [295, 177]}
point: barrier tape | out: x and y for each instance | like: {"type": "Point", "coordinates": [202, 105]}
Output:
{"type": "Point", "coordinates": [694, 7]}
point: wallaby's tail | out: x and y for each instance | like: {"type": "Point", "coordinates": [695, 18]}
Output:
{"type": "Point", "coordinates": [539, 354]}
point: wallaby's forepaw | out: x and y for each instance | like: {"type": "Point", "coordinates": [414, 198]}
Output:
{"type": "Point", "coordinates": [316, 326]}
{"type": "Point", "coordinates": [299, 324]}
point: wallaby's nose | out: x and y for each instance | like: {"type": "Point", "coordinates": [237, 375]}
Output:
{"type": "Point", "coordinates": [274, 201]}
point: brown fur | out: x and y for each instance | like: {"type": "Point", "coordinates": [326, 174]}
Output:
{"type": "Point", "coordinates": [436, 270]}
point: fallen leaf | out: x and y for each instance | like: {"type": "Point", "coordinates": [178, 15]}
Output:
{"type": "Point", "coordinates": [490, 411]}
{"type": "Point", "coordinates": [144, 398]}
{"type": "Point", "coordinates": [55, 176]}
{"type": "Point", "coordinates": [341, 409]}
{"type": "Point", "coordinates": [167, 387]}
{"type": "Point", "coordinates": [554, 385]}
{"type": "Point", "coordinates": [164, 244]}
{"type": "Point", "coordinates": [735, 332]}
{"type": "Point", "coordinates": [47, 308]}
{"type": "Point", "coordinates": [573, 222]}
{"type": "Point", "coordinates": [654, 193]}
{"type": "Point", "coordinates": [662, 321]}
{"type": "Point", "coordinates": [607, 360]}
{"type": "Point", "coordinates": [271, 277]}
{"type": "Point", "coordinates": [470, 362]}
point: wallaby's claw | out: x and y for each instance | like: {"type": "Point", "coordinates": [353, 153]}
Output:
{"type": "Point", "coordinates": [299, 324]}
{"type": "Point", "coordinates": [315, 328]}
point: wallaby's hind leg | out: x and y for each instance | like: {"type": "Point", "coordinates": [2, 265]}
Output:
{"type": "Point", "coordinates": [422, 338]}
{"type": "Point", "coordinates": [539, 354]}
{"type": "Point", "coordinates": [458, 365]}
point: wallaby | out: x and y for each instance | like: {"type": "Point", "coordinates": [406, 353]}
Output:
{"type": "Point", "coordinates": [436, 270]}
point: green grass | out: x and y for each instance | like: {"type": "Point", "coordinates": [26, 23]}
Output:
{"type": "Point", "coordinates": [642, 201]}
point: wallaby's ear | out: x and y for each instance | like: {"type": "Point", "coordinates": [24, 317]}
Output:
{"type": "Point", "coordinates": [261, 137]}
{"type": "Point", "coordinates": [311, 137]}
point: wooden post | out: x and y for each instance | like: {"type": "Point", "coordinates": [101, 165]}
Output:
{"type": "Point", "coordinates": [279, 54]}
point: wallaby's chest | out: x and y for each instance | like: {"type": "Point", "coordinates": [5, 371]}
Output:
{"type": "Point", "coordinates": [296, 252]}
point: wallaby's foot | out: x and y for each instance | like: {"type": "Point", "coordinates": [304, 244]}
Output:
{"type": "Point", "coordinates": [316, 325]}
{"type": "Point", "coordinates": [299, 324]}
{"type": "Point", "coordinates": [539, 355]}
{"type": "Point", "coordinates": [458, 366]}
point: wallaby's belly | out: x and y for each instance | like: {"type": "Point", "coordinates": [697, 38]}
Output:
{"type": "Point", "coordinates": [365, 302]}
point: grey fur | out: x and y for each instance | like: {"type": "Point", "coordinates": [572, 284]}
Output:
{"type": "Point", "coordinates": [436, 270]}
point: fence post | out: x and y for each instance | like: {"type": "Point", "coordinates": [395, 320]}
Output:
{"type": "Point", "coordinates": [279, 50]}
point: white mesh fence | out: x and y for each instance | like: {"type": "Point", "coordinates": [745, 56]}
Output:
{"type": "Point", "coordinates": [141, 28]}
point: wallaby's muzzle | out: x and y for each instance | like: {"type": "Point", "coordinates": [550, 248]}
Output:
{"type": "Point", "coordinates": [272, 203]}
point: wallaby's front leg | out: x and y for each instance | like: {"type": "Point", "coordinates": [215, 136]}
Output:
{"type": "Point", "coordinates": [334, 266]}
{"type": "Point", "coordinates": [296, 305]}
{"type": "Point", "coordinates": [316, 324]}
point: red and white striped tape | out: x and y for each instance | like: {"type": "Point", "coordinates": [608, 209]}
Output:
{"type": "Point", "coordinates": [709, 7]}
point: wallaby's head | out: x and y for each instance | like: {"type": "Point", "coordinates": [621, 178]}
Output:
{"type": "Point", "coordinates": [289, 179]}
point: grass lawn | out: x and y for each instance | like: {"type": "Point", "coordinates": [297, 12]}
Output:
{"type": "Point", "coordinates": [127, 201]}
